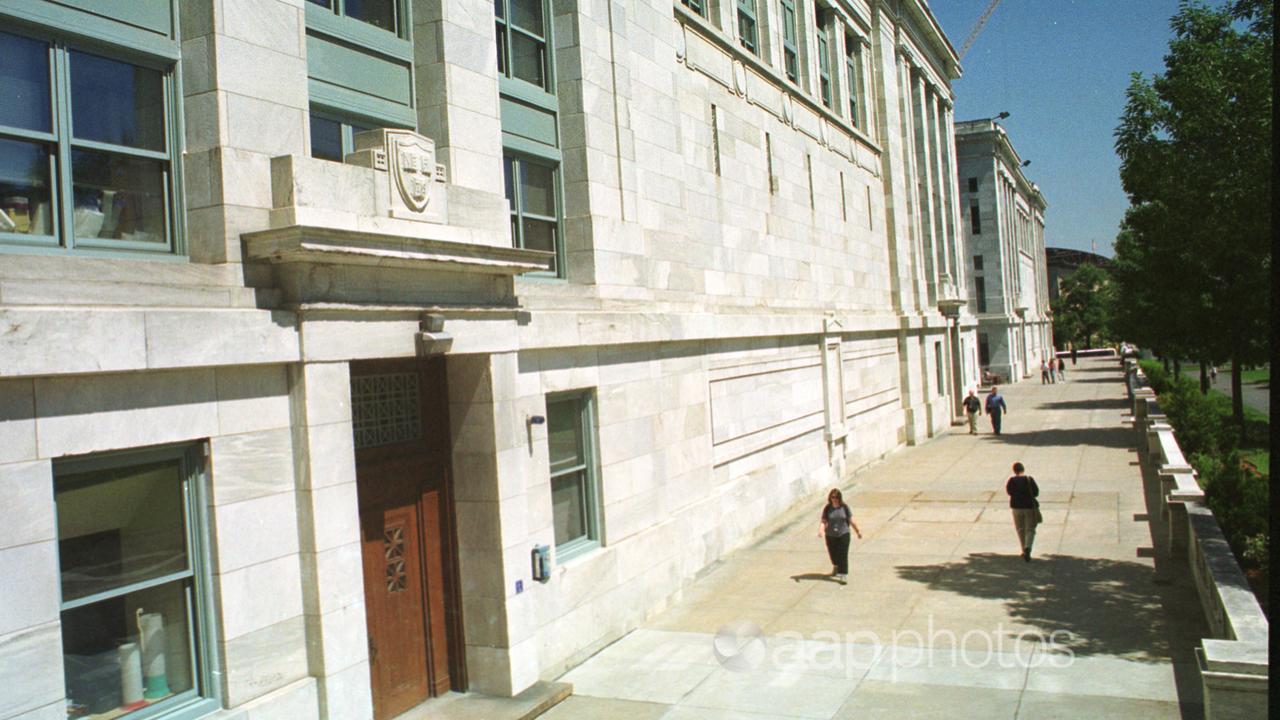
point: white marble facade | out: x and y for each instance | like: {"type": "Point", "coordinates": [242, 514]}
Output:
{"type": "Point", "coordinates": [1007, 239]}
{"type": "Point", "coordinates": [759, 293]}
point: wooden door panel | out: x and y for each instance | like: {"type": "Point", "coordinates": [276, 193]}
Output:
{"type": "Point", "coordinates": [394, 608]}
{"type": "Point", "coordinates": [407, 522]}
{"type": "Point", "coordinates": [434, 575]}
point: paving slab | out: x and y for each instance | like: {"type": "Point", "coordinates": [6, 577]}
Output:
{"type": "Point", "coordinates": [940, 617]}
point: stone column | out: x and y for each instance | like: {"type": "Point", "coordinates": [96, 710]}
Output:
{"type": "Point", "coordinates": [941, 201]}
{"type": "Point", "coordinates": [914, 226]}
{"type": "Point", "coordinates": [952, 174]}
{"type": "Point", "coordinates": [924, 170]}
{"type": "Point", "coordinates": [244, 81]}
{"type": "Point", "coordinates": [329, 539]}
{"type": "Point", "coordinates": [492, 462]}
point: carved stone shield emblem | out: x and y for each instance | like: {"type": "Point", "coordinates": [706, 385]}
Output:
{"type": "Point", "coordinates": [413, 168]}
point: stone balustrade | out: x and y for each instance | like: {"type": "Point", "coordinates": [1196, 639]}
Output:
{"type": "Point", "coordinates": [1233, 662]}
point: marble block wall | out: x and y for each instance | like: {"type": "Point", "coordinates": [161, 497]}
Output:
{"type": "Point", "coordinates": [250, 522]}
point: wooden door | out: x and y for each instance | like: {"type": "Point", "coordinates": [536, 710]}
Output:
{"type": "Point", "coordinates": [394, 607]}
{"type": "Point", "coordinates": [407, 538]}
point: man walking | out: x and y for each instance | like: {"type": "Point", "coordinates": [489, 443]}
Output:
{"type": "Point", "coordinates": [1022, 491]}
{"type": "Point", "coordinates": [972, 407]}
{"type": "Point", "coordinates": [1073, 354]}
{"type": "Point", "coordinates": [996, 408]}
{"type": "Point", "coordinates": [1044, 374]}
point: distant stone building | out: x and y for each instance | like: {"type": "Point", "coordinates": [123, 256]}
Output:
{"type": "Point", "coordinates": [1003, 221]}
{"type": "Point", "coordinates": [1061, 262]}
{"type": "Point", "coordinates": [354, 352]}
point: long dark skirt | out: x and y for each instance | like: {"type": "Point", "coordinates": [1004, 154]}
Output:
{"type": "Point", "coordinates": [838, 549]}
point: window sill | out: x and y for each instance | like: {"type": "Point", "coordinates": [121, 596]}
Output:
{"type": "Point", "coordinates": [576, 551]}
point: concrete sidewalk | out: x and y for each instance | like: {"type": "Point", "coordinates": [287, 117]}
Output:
{"type": "Point", "coordinates": [941, 617]}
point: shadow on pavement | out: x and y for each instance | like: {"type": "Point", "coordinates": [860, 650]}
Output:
{"type": "Point", "coordinates": [1109, 607]}
{"type": "Point", "coordinates": [1069, 437]}
{"type": "Point", "coordinates": [815, 576]}
{"type": "Point", "coordinates": [1099, 404]}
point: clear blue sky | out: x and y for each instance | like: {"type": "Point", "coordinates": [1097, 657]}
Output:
{"type": "Point", "coordinates": [1060, 68]}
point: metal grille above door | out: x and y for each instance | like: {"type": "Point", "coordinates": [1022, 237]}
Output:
{"type": "Point", "coordinates": [385, 409]}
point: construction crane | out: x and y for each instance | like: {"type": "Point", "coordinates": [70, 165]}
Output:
{"type": "Point", "coordinates": [977, 27]}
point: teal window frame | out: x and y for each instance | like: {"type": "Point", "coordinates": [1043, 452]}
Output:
{"type": "Point", "coordinates": [350, 124]}
{"type": "Point", "coordinates": [518, 214]}
{"type": "Point", "coordinates": [825, 88]}
{"type": "Point", "coordinates": [332, 15]}
{"type": "Point", "coordinates": [790, 45]}
{"type": "Point", "coordinates": [698, 6]}
{"type": "Point", "coordinates": [205, 695]}
{"type": "Point", "coordinates": [853, 67]}
{"type": "Point", "coordinates": [585, 412]}
{"type": "Point", "coordinates": [749, 26]}
{"type": "Point", "coordinates": [327, 25]}
{"type": "Point", "coordinates": [505, 30]}
{"type": "Point", "coordinates": [60, 142]}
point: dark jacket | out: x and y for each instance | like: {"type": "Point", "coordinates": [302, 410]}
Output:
{"type": "Point", "coordinates": [972, 404]}
{"type": "Point", "coordinates": [995, 404]}
{"type": "Point", "coordinates": [1022, 492]}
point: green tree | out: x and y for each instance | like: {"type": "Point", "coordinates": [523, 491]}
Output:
{"type": "Point", "coordinates": [1195, 150]}
{"type": "Point", "coordinates": [1082, 311]}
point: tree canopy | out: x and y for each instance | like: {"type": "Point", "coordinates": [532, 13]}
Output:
{"type": "Point", "coordinates": [1193, 258]}
{"type": "Point", "coordinates": [1082, 310]}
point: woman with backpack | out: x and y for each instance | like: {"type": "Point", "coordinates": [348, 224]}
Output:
{"type": "Point", "coordinates": [834, 525]}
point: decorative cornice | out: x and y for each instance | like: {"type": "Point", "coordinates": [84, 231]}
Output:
{"type": "Point", "coordinates": [332, 246]}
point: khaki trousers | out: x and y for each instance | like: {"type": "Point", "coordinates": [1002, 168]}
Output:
{"type": "Point", "coordinates": [973, 422]}
{"type": "Point", "coordinates": [1024, 521]}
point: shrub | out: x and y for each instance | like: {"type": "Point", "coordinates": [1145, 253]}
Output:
{"type": "Point", "coordinates": [1238, 500]}
{"type": "Point", "coordinates": [1197, 419]}
{"type": "Point", "coordinates": [1157, 378]}
{"type": "Point", "coordinates": [1255, 551]}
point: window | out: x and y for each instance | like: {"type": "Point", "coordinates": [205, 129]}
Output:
{"type": "Point", "coordinates": [977, 262]}
{"type": "Point", "coordinates": [824, 58]}
{"type": "Point", "coordinates": [937, 366]}
{"type": "Point", "coordinates": [984, 350]}
{"type": "Point", "coordinates": [333, 139]}
{"type": "Point", "coordinates": [980, 293]}
{"type": "Point", "coordinates": [574, 502]}
{"type": "Point", "coordinates": [853, 68]}
{"type": "Point", "coordinates": [532, 189]}
{"type": "Point", "coordinates": [975, 218]}
{"type": "Point", "coordinates": [382, 14]}
{"type": "Point", "coordinates": [715, 141]}
{"type": "Point", "coordinates": [522, 41]}
{"type": "Point", "coordinates": [748, 34]}
{"type": "Point", "coordinates": [698, 6]}
{"type": "Point", "coordinates": [973, 185]}
{"type": "Point", "coordinates": [134, 584]}
{"type": "Point", "coordinates": [86, 150]}
{"type": "Point", "coordinates": [790, 51]}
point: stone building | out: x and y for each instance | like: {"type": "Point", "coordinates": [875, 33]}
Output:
{"type": "Point", "coordinates": [353, 352]}
{"type": "Point", "coordinates": [1003, 215]}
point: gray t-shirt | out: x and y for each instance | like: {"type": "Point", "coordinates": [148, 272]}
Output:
{"type": "Point", "coordinates": [837, 519]}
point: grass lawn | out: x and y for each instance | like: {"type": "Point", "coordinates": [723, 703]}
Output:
{"type": "Point", "coordinates": [1256, 375]}
{"type": "Point", "coordinates": [1262, 374]}
{"type": "Point", "coordinates": [1256, 447]}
